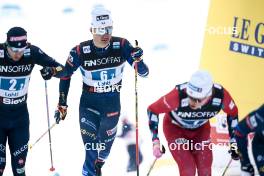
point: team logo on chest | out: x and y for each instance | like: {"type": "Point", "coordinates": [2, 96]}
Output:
{"type": "Point", "coordinates": [16, 68]}
{"type": "Point", "coordinates": [185, 102]}
{"type": "Point", "coordinates": [27, 52]}
{"type": "Point", "coordinates": [86, 49]}
{"type": "Point", "coordinates": [216, 101]}
{"type": "Point", "coordinates": [116, 45]}
{"type": "Point", "coordinates": [102, 61]}
{"type": "Point", "coordinates": [199, 114]}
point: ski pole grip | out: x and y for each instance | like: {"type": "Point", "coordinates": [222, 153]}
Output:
{"type": "Point", "coordinates": [163, 150]}
{"type": "Point", "coordinates": [136, 42]}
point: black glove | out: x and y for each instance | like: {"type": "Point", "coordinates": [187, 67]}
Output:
{"type": "Point", "coordinates": [233, 149]}
{"type": "Point", "coordinates": [247, 170]}
{"type": "Point", "coordinates": [60, 113]}
{"type": "Point", "coordinates": [47, 72]}
{"type": "Point", "coordinates": [136, 54]}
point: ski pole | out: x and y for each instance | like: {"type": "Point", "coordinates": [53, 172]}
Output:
{"type": "Point", "coordinates": [223, 174]}
{"type": "Point", "coordinates": [136, 114]}
{"type": "Point", "coordinates": [32, 145]}
{"type": "Point", "coordinates": [152, 165]}
{"type": "Point", "coordinates": [47, 107]}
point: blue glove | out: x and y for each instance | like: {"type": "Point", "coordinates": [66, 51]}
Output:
{"type": "Point", "coordinates": [136, 54]}
{"type": "Point", "coordinates": [47, 72]}
{"type": "Point", "coordinates": [60, 113]}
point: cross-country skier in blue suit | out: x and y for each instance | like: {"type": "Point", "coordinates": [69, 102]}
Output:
{"type": "Point", "coordinates": [17, 60]}
{"type": "Point", "coordinates": [101, 62]}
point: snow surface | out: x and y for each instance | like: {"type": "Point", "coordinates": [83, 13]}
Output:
{"type": "Point", "coordinates": [171, 34]}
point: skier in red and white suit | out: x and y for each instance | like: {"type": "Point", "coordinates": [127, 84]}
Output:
{"type": "Point", "coordinates": [188, 108]}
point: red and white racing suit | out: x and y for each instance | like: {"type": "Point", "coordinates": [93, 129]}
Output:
{"type": "Point", "coordinates": [187, 131]}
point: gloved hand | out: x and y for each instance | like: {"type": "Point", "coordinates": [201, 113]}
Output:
{"type": "Point", "coordinates": [47, 72]}
{"type": "Point", "coordinates": [136, 54]}
{"type": "Point", "coordinates": [60, 113]}
{"type": "Point", "coordinates": [247, 170]}
{"type": "Point", "coordinates": [156, 148]}
{"type": "Point", "coordinates": [233, 149]}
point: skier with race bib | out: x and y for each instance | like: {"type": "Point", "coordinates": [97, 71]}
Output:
{"type": "Point", "coordinates": [17, 60]}
{"type": "Point", "coordinates": [188, 108]}
{"type": "Point", "coordinates": [101, 61]}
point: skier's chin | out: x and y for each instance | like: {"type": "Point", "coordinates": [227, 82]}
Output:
{"type": "Point", "coordinates": [104, 43]}
{"type": "Point", "coordinates": [16, 58]}
{"type": "Point", "coordinates": [194, 107]}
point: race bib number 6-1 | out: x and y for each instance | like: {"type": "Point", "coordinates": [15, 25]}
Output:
{"type": "Point", "coordinates": [103, 75]}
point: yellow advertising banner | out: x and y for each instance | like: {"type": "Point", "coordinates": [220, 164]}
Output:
{"type": "Point", "coordinates": [233, 50]}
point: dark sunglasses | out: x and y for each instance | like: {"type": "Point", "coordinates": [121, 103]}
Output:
{"type": "Point", "coordinates": [198, 100]}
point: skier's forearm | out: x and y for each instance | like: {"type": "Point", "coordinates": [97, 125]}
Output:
{"type": "Point", "coordinates": [232, 123]}
{"type": "Point", "coordinates": [60, 71]}
{"type": "Point", "coordinates": [241, 134]}
{"type": "Point", "coordinates": [153, 125]}
{"type": "Point", "coordinates": [242, 144]}
{"type": "Point", "coordinates": [143, 69]}
{"type": "Point", "coordinates": [63, 90]}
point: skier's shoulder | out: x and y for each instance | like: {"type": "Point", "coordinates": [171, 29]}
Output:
{"type": "Point", "coordinates": [260, 111]}
{"type": "Point", "coordinates": [123, 42]}
{"type": "Point", "coordinates": [218, 86]}
{"type": "Point", "coordinates": [32, 47]}
{"type": "Point", "coordinates": [34, 50]}
{"type": "Point", "coordinates": [82, 47]}
{"type": "Point", "coordinates": [2, 50]}
{"type": "Point", "coordinates": [116, 38]}
{"type": "Point", "coordinates": [84, 43]}
{"type": "Point", "coordinates": [2, 46]}
{"type": "Point", "coordinates": [181, 86]}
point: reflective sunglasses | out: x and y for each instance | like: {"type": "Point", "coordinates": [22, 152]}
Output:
{"type": "Point", "coordinates": [102, 31]}
{"type": "Point", "coordinates": [17, 50]}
